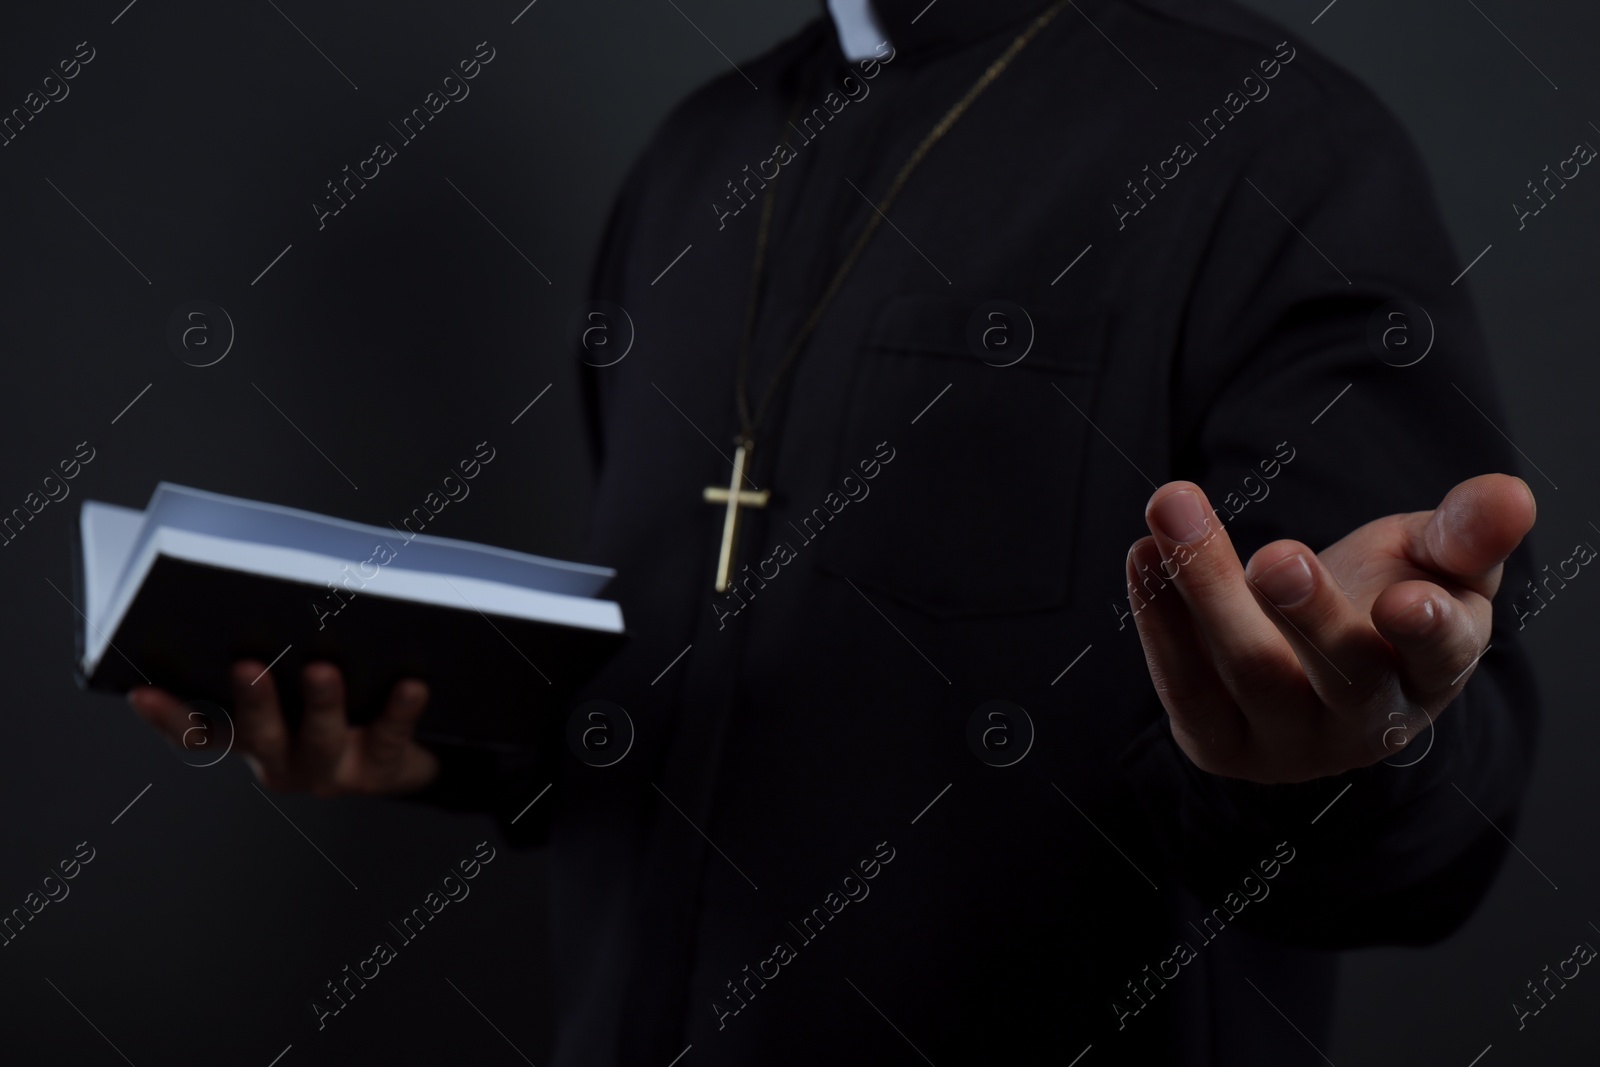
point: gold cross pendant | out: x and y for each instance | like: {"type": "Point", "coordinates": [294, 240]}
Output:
{"type": "Point", "coordinates": [734, 497]}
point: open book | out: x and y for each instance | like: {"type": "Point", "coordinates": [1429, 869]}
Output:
{"type": "Point", "coordinates": [174, 594]}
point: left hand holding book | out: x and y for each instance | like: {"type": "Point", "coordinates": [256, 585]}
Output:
{"type": "Point", "coordinates": [324, 755]}
{"type": "Point", "coordinates": [199, 594]}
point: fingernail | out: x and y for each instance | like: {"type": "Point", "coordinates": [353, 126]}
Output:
{"type": "Point", "coordinates": [1180, 517]}
{"type": "Point", "coordinates": [1416, 620]}
{"type": "Point", "coordinates": [136, 699]}
{"type": "Point", "coordinates": [1287, 582]}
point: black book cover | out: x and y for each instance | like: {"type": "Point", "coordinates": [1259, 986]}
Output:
{"type": "Point", "coordinates": [494, 681]}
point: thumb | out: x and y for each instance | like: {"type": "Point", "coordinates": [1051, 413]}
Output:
{"type": "Point", "coordinates": [1475, 527]}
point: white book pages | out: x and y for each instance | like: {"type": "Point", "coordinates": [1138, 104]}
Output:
{"type": "Point", "coordinates": [121, 545]}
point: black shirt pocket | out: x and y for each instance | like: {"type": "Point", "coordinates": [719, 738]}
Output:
{"type": "Point", "coordinates": [975, 513]}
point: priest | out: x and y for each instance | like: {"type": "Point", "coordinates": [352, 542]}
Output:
{"type": "Point", "coordinates": [992, 363]}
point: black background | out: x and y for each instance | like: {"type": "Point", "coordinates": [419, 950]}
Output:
{"type": "Point", "coordinates": [409, 329]}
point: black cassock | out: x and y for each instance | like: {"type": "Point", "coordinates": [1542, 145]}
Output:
{"type": "Point", "coordinates": [810, 855]}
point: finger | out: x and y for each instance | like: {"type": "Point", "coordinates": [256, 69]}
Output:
{"type": "Point", "coordinates": [260, 730]}
{"type": "Point", "coordinates": [324, 729]}
{"type": "Point", "coordinates": [1206, 723]}
{"type": "Point", "coordinates": [390, 734]}
{"type": "Point", "coordinates": [164, 712]}
{"type": "Point", "coordinates": [1437, 637]}
{"type": "Point", "coordinates": [1472, 531]}
{"type": "Point", "coordinates": [1343, 657]}
{"type": "Point", "coordinates": [1256, 665]}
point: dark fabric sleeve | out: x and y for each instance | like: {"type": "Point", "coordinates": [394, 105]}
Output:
{"type": "Point", "coordinates": [1275, 331]}
{"type": "Point", "coordinates": [506, 783]}
{"type": "Point", "coordinates": [510, 786]}
{"type": "Point", "coordinates": [606, 282]}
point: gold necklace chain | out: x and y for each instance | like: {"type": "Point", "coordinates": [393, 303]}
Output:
{"type": "Point", "coordinates": [750, 420]}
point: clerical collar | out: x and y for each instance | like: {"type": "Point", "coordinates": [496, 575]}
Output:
{"type": "Point", "coordinates": [918, 28]}
{"type": "Point", "coordinates": [860, 32]}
